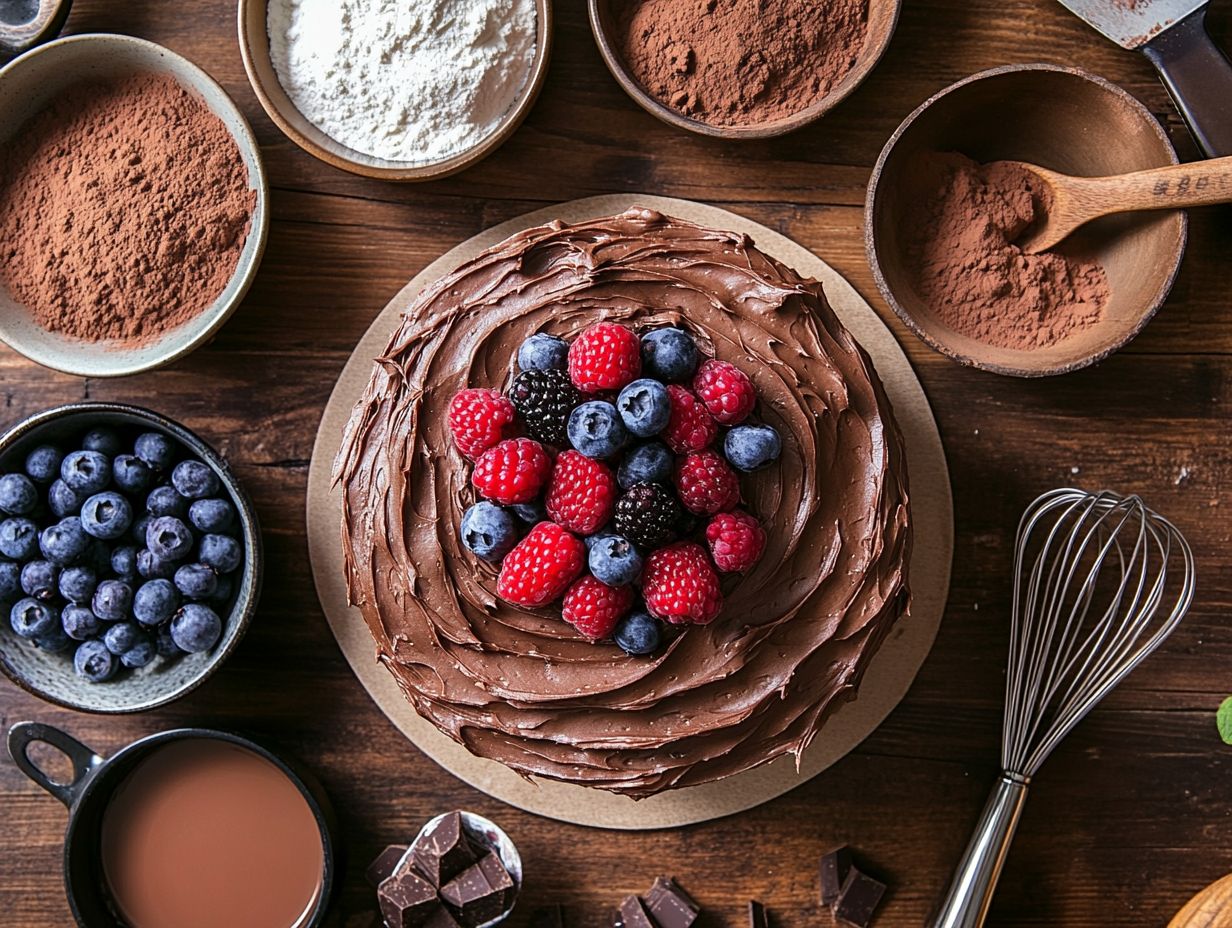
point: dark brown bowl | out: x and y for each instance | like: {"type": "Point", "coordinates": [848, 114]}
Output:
{"type": "Point", "coordinates": [882, 18]}
{"type": "Point", "coordinates": [1060, 118]}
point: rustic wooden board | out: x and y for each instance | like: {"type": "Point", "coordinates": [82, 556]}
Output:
{"type": "Point", "coordinates": [1129, 819]}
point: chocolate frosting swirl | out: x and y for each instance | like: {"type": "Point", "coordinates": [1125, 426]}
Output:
{"type": "Point", "coordinates": [520, 685]}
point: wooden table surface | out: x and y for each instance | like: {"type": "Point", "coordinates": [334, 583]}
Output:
{"type": "Point", "coordinates": [1130, 817]}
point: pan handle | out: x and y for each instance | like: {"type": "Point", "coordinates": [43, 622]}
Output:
{"type": "Point", "coordinates": [84, 760]}
{"type": "Point", "coordinates": [1198, 75]}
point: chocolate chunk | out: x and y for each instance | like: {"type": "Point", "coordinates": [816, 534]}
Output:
{"type": "Point", "coordinates": [549, 916]}
{"type": "Point", "coordinates": [669, 905]}
{"type": "Point", "coordinates": [441, 917]}
{"type": "Point", "coordinates": [859, 900]}
{"type": "Point", "coordinates": [632, 914]}
{"type": "Point", "coordinates": [444, 852]}
{"type": "Point", "coordinates": [386, 862]}
{"type": "Point", "coordinates": [407, 900]}
{"type": "Point", "coordinates": [757, 915]}
{"type": "Point", "coordinates": [834, 869]}
{"type": "Point", "coordinates": [481, 892]}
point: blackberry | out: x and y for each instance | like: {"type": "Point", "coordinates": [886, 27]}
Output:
{"type": "Point", "coordinates": [544, 399]}
{"type": "Point", "coordinates": [648, 515]}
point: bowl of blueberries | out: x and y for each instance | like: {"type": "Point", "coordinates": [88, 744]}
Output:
{"type": "Point", "coordinates": [130, 558]}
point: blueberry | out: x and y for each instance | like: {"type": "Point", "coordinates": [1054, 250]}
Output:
{"type": "Point", "coordinates": [591, 540]}
{"type": "Point", "coordinates": [165, 501]}
{"type": "Point", "coordinates": [164, 644]}
{"type": "Point", "coordinates": [614, 560]}
{"type": "Point", "coordinates": [531, 513]}
{"type": "Point", "coordinates": [196, 581]}
{"type": "Point", "coordinates": [194, 480]}
{"type": "Point", "coordinates": [54, 642]}
{"type": "Point", "coordinates": [19, 539]}
{"type": "Point", "coordinates": [131, 474]}
{"type": "Point", "coordinates": [94, 661]}
{"type": "Point", "coordinates": [63, 501]}
{"type": "Point", "coordinates": [112, 600]}
{"type": "Point", "coordinates": [43, 464]}
{"type": "Point", "coordinates": [196, 628]}
{"type": "Point", "coordinates": [488, 531]}
{"type": "Point", "coordinates": [31, 618]}
{"type": "Point", "coordinates": [542, 352]}
{"type": "Point", "coordinates": [77, 583]}
{"type": "Point", "coordinates": [157, 451]}
{"type": "Point", "coordinates": [39, 579]}
{"type": "Point", "coordinates": [596, 429]}
{"type": "Point", "coordinates": [169, 539]}
{"type": "Point", "coordinates": [80, 622]}
{"type": "Point", "coordinates": [103, 440]}
{"type": "Point", "coordinates": [222, 592]}
{"type": "Point", "coordinates": [210, 515]}
{"type": "Point", "coordinates": [139, 654]}
{"type": "Point", "coordinates": [121, 636]}
{"type": "Point", "coordinates": [669, 355]}
{"type": "Point", "coordinates": [221, 552]}
{"type": "Point", "coordinates": [638, 633]}
{"type": "Point", "coordinates": [65, 542]}
{"type": "Point", "coordinates": [10, 581]}
{"type": "Point", "coordinates": [86, 472]}
{"type": "Point", "coordinates": [152, 567]}
{"type": "Point", "coordinates": [749, 447]}
{"type": "Point", "coordinates": [644, 407]}
{"type": "Point", "coordinates": [124, 562]}
{"type": "Point", "coordinates": [155, 601]}
{"type": "Point", "coordinates": [648, 463]}
{"type": "Point", "coordinates": [106, 515]}
{"type": "Point", "coordinates": [17, 494]}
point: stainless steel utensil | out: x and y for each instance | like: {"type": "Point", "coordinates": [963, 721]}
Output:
{"type": "Point", "coordinates": [1100, 581]}
{"type": "Point", "coordinates": [1172, 34]}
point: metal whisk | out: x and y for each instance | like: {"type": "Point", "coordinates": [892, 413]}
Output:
{"type": "Point", "coordinates": [1096, 589]}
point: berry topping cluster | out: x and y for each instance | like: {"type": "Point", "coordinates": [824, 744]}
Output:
{"type": "Point", "coordinates": [120, 551]}
{"type": "Point", "coordinates": [608, 479]}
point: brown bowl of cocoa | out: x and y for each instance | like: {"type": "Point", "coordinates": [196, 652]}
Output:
{"type": "Point", "coordinates": [132, 205]}
{"type": "Point", "coordinates": [943, 218]}
{"type": "Point", "coordinates": [741, 70]}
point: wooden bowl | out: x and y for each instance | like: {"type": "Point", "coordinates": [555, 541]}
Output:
{"type": "Point", "coordinates": [30, 83]}
{"type": "Point", "coordinates": [254, 48]}
{"type": "Point", "coordinates": [882, 18]}
{"type": "Point", "coordinates": [1061, 118]}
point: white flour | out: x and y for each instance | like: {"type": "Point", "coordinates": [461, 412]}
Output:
{"type": "Point", "coordinates": [406, 80]}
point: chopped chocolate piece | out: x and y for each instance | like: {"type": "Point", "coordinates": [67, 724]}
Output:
{"type": "Point", "coordinates": [633, 914]}
{"type": "Point", "coordinates": [757, 915]}
{"type": "Point", "coordinates": [407, 900]}
{"type": "Point", "coordinates": [481, 892]}
{"type": "Point", "coordinates": [549, 916]}
{"type": "Point", "coordinates": [444, 852]}
{"type": "Point", "coordinates": [859, 900]}
{"type": "Point", "coordinates": [386, 862]}
{"type": "Point", "coordinates": [834, 869]}
{"type": "Point", "coordinates": [669, 905]}
{"type": "Point", "coordinates": [441, 917]}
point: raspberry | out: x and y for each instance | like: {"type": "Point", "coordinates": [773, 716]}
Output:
{"type": "Point", "coordinates": [736, 541]}
{"type": "Point", "coordinates": [726, 390]}
{"type": "Point", "coordinates": [544, 400]}
{"type": "Point", "coordinates": [581, 493]}
{"type": "Point", "coordinates": [606, 356]}
{"type": "Point", "coordinates": [594, 608]}
{"type": "Point", "coordinates": [648, 515]}
{"type": "Point", "coordinates": [691, 427]}
{"type": "Point", "coordinates": [680, 585]}
{"type": "Point", "coordinates": [512, 472]}
{"type": "Point", "coordinates": [541, 566]}
{"type": "Point", "coordinates": [478, 419]}
{"type": "Point", "coordinates": [707, 484]}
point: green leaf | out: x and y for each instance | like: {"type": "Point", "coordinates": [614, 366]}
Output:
{"type": "Point", "coordinates": [1223, 719]}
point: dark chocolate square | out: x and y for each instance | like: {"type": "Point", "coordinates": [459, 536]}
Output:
{"type": "Point", "coordinates": [834, 869]}
{"type": "Point", "coordinates": [758, 917]}
{"type": "Point", "coordinates": [407, 900]}
{"type": "Point", "coordinates": [481, 892]}
{"type": "Point", "coordinates": [633, 914]}
{"type": "Point", "coordinates": [859, 900]}
{"type": "Point", "coordinates": [444, 852]}
{"type": "Point", "coordinates": [669, 905]}
{"type": "Point", "coordinates": [386, 862]}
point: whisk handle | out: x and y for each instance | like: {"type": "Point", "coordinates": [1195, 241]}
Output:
{"type": "Point", "coordinates": [970, 894]}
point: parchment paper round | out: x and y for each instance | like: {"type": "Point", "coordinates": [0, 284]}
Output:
{"type": "Point", "coordinates": [888, 676]}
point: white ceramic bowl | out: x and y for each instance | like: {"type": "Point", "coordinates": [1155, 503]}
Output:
{"type": "Point", "coordinates": [27, 85]}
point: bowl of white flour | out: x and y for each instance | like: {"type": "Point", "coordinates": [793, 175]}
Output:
{"type": "Point", "coordinates": [396, 90]}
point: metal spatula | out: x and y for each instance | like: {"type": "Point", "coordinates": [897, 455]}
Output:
{"type": "Point", "coordinates": [1172, 34]}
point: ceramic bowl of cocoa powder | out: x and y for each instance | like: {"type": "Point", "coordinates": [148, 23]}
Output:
{"type": "Point", "coordinates": [133, 205]}
{"type": "Point", "coordinates": [741, 71]}
{"type": "Point", "coordinates": [942, 217]}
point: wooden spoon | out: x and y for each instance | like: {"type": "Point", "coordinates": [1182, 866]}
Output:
{"type": "Point", "coordinates": [1211, 908]}
{"type": "Point", "coordinates": [1070, 202]}
{"type": "Point", "coordinates": [27, 23]}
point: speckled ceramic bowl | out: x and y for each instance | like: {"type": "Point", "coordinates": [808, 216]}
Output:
{"type": "Point", "coordinates": [51, 676]}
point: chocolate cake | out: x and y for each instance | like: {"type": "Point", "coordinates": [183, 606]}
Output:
{"type": "Point", "coordinates": [519, 685]}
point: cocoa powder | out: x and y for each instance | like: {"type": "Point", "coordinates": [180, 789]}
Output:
{"type": "Point", "coordinates": [740, 62]}
{"type": "Point", "coordinates": [123, 210]}
{"type": "Point", "coordinates": [962, 220]}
